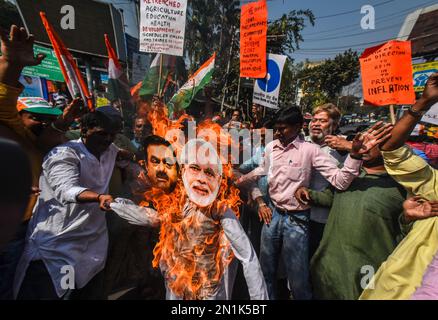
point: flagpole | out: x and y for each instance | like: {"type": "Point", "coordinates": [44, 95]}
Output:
{"type": "Point", "coordinates": [159, 78]}
{"type": "Point", "coordinates": [392, 111]}
{"type": "Point", "coordinates": [238, 92]}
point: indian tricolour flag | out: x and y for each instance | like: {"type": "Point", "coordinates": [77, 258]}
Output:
{"type": "Point", "coordinates": [183, 98]}
{"type": "Point", "coordinates": [118, 87]}
{"type": "Point", "coordinates": [150, 83]}
{"type": "Point", "coordinates": [72, 76]}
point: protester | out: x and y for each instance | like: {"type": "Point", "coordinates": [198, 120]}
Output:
{"type": "Point", "coordinates": [142, 129]}
{"type": "Point", "coordinates": [325, 121]}
{"type": "Point", "coordinates": [402, 274]}
{"type": "Point", "coordinates": [235, 122]}
{"type": "Point", "coordinates": [257, 193]}
{"type": "Point", "coordinates": [68, 228]}
{"type": "Point", "coordinates": [257, 117]}
{"type": "Point", "coordinates": [372, 204]}
{"type": "Point", "coordinates": [34, 130]}
{"type": "Point", "coordinates": [289, 162]}
{"type": "Point", "coordinates": [15, 189]}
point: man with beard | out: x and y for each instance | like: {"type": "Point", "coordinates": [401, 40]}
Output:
{"type": "Point", "coordinates": [142, 129]}
{"type": "Point", "coordinates": [288, 163]}
{"type": "Point", "coordinates": [324, 122]}
{"type": "Point", "coordinates": [196, 240]}
{"type": "Point", "coordinates": [361, 232]}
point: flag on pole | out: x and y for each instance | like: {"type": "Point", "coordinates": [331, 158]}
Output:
{"type": "Point", "coordinates": [150, 83]}
{"type": "Point", "coordinates": [72, 76]}
{"type": "Point", "coordinates": [183, 98]}
{"type": "Point", "coordinates": [118, 87]}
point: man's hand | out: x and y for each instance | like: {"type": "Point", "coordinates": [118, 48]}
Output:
{"type": "Point", "coordinates": [364, 142]}
{"type": "Point", "coordinates": [104, 202]}
{"type": "Point", "coordinates": [303, 195]}
{"type": "Point", "coordinates": [265, 213]}
{"type": "Point", "coordinates": [338, 143]}
{"type": "Point", "coordinates": [430, 93]}
{"type": "Point", "coordinates": [35, 191]}
{"type": "Point", "coordinates": [417, 208]}
{"type": "Point", "coordinates": [125, 155]}
{"type": "Point", "coordinates": [72, 112]}
{"type": "Point", "coordinates": [17, 48]}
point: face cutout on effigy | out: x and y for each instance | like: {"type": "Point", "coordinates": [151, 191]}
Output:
{"type": "Point", "coordinates": [201, 173]}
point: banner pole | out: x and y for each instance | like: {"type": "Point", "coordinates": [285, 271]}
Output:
{"type": "Point", "coordinates": [159, 77]}
{"type": "Point", "coordinates": [392, 111]}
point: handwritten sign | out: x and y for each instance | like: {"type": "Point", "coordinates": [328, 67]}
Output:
{"type": "Point", "coordinates": [387, 74]}
{"type": "Point", "coordinates": [162, 27]}
{"type": "Point", "coordinates": [253, 32]}
{"type": "Point", "coordinates": [432, 115]}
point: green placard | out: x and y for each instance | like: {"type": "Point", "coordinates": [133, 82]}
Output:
{"type": "Point", "coordinates": [49, 69]}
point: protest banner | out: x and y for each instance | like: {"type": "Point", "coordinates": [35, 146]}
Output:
{"type": "Point", "coordinates": [422, 72]}
{"type": "Point", "coordinates": [432, 115]}
{"type": "Point", "coordinates": [48, 69]}
{"type": "Point", "coordinates": [387, 74]}
{"type": "Point", "coordinates": [253, 32]}
{"type": "Point", "coordinates": [32, 87]}
{"type": "Point", "coordinates": [162, 26]}
{"type": "Point", "coordinates": [266, 90]}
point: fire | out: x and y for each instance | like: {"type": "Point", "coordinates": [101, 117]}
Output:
{"type": "Point", "coordinates": [192, 249]}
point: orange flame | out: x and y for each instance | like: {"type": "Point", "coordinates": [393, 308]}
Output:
{"type": "Point", "coordinates": [193, 266]}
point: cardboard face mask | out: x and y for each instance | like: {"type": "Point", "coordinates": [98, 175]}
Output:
{"type": "Point", "coordinates": [202, 172]}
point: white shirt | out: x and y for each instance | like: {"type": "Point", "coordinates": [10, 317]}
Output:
{"type": "Point", "coordinates": [63, 232]}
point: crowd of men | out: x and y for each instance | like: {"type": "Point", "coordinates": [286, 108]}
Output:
{"type": "Point", "coordinates": [311, 213]}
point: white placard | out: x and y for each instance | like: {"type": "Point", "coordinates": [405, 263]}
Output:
{"type": "Point", "coordinates": [266, 91]}
{"type": "Point", "coordinates": [162, 26]}
{"type": "Point", "coordinates": [432, 115]}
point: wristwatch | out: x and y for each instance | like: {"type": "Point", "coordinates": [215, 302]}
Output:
{"type": "Point", "coordinates": [416, 113]}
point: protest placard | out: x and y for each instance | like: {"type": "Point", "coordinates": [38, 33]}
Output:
{"type": "Point", "coordinates": [162, 26]}
{"type": "Point", "coordinates": [253, 32]}
{"type": "Point", "coordinates": [387, 74]}
{"type": "Point", "coordinates": [432, 115]}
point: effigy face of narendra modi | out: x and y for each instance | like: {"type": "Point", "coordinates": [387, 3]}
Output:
{"type": "Point", "coordinates": [201, 172]}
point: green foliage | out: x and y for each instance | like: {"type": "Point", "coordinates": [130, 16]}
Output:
{"type": "Point", "coordinates": [284, 34]}
{"type": "Point", "coordinates": [323, 83]}
{"type": "Point", "coordinates": [213, 26]}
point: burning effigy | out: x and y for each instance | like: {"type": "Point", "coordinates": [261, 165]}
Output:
{"type": "Point", "coordinates": [200, 233]}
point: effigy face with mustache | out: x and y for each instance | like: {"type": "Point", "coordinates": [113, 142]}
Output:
{"type": "Point", "coordinates": [200, 233]}
{"type": "Point", "coordinates": [201, 173]}
{"type": "Point", "coordinates": [161, 165]}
